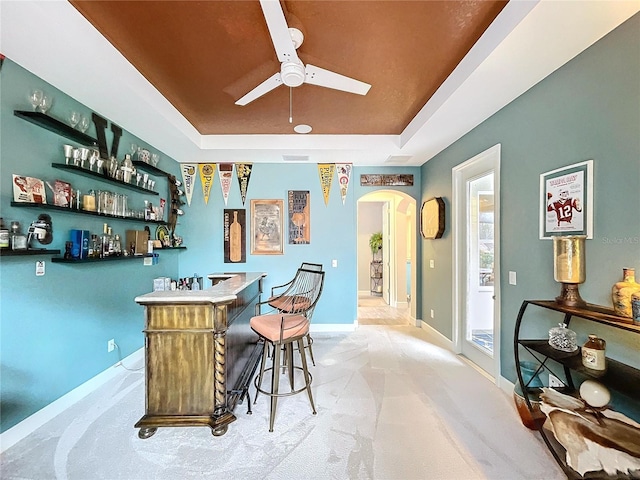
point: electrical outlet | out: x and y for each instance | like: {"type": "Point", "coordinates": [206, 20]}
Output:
{"type": "Point", "coordinates": [432, 315]}
{"type": "Point", "coordinates": [111, 345]}
{"type": "Point", "coordinates": [555, 381]}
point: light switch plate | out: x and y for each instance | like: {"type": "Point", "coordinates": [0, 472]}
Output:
{"type": "Point", "coordinates": [512, 278]}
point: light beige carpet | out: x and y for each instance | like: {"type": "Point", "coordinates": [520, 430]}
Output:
{"type": "Point", "coordinates": [373, 310]}
{"type": "Point", "coordinates": [391, 405]}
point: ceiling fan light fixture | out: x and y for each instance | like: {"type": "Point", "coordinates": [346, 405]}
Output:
{"type": "Point", "coordinates": [292, 74]}
{"type": "Point", "coordinates": [296, 37]}
{"type": "Point", "coordinates": [302, 128]}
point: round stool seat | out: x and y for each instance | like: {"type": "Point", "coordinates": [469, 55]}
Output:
{"type": "Point", "coordinates": [280, 327]}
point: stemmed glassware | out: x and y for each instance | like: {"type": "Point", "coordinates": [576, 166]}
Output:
{"type": "Point", "coordinates": [35, 97]}
{"type": "Point", "coordinates": [83, 124]}
{"type": "Point", "coordinates": [74, 118]}
{"type": "Point", "coordinates": [45, 103]}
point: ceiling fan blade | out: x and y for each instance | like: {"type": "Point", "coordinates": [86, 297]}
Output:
{"type": "Point", "coordinates": [279, 30]}
{"type": "Point", "coordinates": [325, 78]}
{"type": "Point", "coordinates": [269, 84]}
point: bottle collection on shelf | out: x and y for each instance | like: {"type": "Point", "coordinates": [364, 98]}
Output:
{"type": "Point", "coordinates": [85, 245]}
{"type": "Point", "coordinates": [125, 171]}
{"type": "Point", "coordinates": [14, 239]}
{"type": "Point", "coordinates": [161, 284]}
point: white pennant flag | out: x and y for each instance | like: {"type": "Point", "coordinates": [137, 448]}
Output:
{"type": "Point", "coordinates": [188, 179]}
{"type": "Point", "coordinates": [344, 174]}
{"type": "Point", "coordinates": [226, 176]}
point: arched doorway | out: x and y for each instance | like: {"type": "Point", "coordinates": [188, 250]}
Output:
{"type": "Point", "coordinates": [393, 214]}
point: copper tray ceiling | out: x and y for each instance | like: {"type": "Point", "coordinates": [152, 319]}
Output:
{"type": "Point", "coordinates": [204, 55]}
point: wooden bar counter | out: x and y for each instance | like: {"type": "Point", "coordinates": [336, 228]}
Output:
{"type": "Point", "coordinates": [197, 343]}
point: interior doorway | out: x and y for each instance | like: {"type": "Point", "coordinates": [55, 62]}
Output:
{"type": "Point", "coordinates": [393, 214]}
{"type": "Point", "coordinates": [476, 260]}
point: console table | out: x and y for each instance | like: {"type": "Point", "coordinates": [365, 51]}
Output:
{"type": "Point", "coordinates": [623, 380]}
{"type": "Point", "coordinates": [196, 344]}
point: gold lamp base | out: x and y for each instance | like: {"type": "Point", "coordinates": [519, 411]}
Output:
{"type": "Point", "coordinates": [570, 296]}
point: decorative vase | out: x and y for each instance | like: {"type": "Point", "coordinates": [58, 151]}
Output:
{"type": "Point", "coordinates": [622, 291]}
{"type": "Point", "coordinates": [569, 268]}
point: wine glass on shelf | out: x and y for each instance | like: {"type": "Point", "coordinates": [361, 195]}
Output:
{"type": "Point", "coordinates": [83, 124]}
{"type": "Point", "coordinates": [35, 97]}
{"type": "Point", "coordinates": [45, 103]}
{"type": "Point", "coordinates": [74, 118]}
{"type": "Point", "coordinates": [133, 149]}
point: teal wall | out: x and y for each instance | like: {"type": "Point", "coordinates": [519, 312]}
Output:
{"type": "Point", "coordinates": [333, 233]}
{"type": "Point", "coordinates": [588, 109]}
{"type": "Point", "coordinates": [54, 329]}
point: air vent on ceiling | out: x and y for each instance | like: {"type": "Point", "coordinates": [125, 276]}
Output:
{"type": "Point", "coordinates": [398, 158]}
{"type": "Point", "coordinates": [295, 158]}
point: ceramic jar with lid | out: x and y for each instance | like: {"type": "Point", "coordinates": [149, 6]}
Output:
{"type": "Point", "coordinates": [593, 354]}
{"type": "Point", "coordinates": [622, 291]}
{"type": "Point", "coordinates": [563, 338]}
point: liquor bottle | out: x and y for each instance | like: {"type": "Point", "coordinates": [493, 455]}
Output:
{"type": "Point", "coordinates": [4, 235]}
{"type": "Point", "coordinates": [104, 241]}
{"type": "Point", "coordinates": [111, 242]}
{"type": "Point", "coordinates": [18, 239]}
{"type": "Point", "coordinates": [117, 245]}
{"type": "Point", "coordinates": [593, 353]}
{"type": "Point", "coordinates": [91, 246]}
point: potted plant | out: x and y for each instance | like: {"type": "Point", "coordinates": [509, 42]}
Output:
{"type": "Point", "coordinates": [375, 243]}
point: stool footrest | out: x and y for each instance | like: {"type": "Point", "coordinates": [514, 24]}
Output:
{"type": "Point", "coordinates": [288, 394]}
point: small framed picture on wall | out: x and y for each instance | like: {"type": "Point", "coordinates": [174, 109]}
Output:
{"type": "Point", "coordinates": [267, 227]}
{"type": "Point", "coordinates": [566, 201]}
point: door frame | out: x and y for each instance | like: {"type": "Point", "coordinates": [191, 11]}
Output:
{"type": "Point", "coordinates": [402, 202]}
{"type": "Point", "coordinates": [490, 159]}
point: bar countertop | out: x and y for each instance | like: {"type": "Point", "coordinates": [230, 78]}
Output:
{"type": "Point", "coordinates": [224, 291]}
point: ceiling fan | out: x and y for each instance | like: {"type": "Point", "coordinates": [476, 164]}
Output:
{"type": "Point", "coordinates": [293, 72]}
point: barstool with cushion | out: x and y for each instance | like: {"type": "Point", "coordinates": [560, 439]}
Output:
{"type": "Point", "coordinates": [299, 295]}
{"type": "Point", "coordinates": [282, 331]}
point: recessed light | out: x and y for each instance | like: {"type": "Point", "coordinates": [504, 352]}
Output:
{"type": "Point", "coordinates": [302, 128]}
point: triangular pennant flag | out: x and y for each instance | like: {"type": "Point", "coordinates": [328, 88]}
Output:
{"type": "Point", "coordinates": [326, 177]}
{"type": "Point", "coordinates": [207, 172]}
{"type": "Point", "coordinates": [188, 179]}
{"type": "Point", "coordinates": [344, 174]}
{"type": "Point", "coordinates": [226, 175]}
{"type": "Point", "coordinates": [243, 170]}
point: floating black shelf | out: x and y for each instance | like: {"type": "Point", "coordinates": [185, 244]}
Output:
{"type": "Point", "coordinates": [94, 260]}
{"type": "Point", "coordinates": [31, 251]}
{"type": "Point", "coordinates": [147, 167]}
{"type": "Point", "coordinates": [56, 126]}
{"type": "Point", "coordinates": [48, 206]}
{"type": "Point", "coordinates": [168, 248]}
{"type": "Point", "coordinates": [88, 173]}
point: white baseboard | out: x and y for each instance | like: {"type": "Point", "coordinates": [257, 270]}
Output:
{"type": "Point", "coordinates": [333, 327]}
{"type": "Point", "coordinates": [27, 426]}
{"type": "Point", "coordinates": [502, 383]}
{"type": "Point", "coordinates": [444, 341]}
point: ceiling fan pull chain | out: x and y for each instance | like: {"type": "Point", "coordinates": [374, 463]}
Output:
{"type": "Point", "coordinates": [290, 105]}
